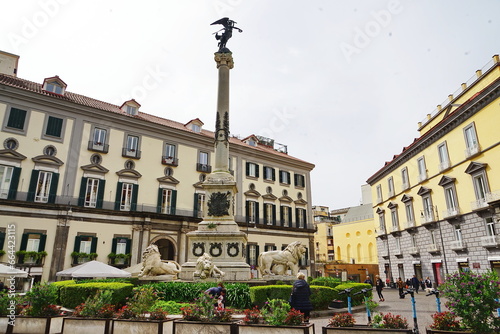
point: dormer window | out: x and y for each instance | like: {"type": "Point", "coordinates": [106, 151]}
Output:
{"type": "Point", "coordinates": [194, 125]}
{"type": "Point", "coordinates": [131, 107]}
{"type": "Point", "coordinates": [131, 110]}
{"type": "Point", "coordinates": [54, 85]}
{"type": "Point", "coordinates": [251, 140]}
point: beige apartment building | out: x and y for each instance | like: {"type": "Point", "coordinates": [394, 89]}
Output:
{"type": "Point", "coordinates": [83, 179]}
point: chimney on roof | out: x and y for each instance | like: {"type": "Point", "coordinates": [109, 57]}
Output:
{"type": "Point", "coordinates": [496, 59]}
{"type": "Point", "coordinates": [8, 63]}
{"type": "Point", "coordinates": [479, 73]}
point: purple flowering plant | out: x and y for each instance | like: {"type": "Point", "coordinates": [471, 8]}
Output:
{"type": "Point", "coordinates": [473, 298]}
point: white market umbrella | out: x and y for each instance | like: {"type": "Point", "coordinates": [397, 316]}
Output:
{"type": "Point", "coordinates": [7, 271]}
{"type": "Point", "coordinates": [93, 269]}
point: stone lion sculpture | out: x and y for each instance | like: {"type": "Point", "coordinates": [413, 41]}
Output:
{"type": "Point", "coordinates": [205, 268]}
{"type": "Point", "coordinates": [153, 265]}
{"type": "Point", "coordinates": [278, 262]}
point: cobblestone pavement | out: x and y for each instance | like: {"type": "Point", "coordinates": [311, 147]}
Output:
{"type": "Point", "coordinates": [425, 306]}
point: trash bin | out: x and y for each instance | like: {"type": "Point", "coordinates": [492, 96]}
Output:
{"type": "Point", "coordinates": [336, 303]}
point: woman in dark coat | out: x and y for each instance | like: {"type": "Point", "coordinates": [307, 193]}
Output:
{"type": "Point", "coordinates": [299, 298]}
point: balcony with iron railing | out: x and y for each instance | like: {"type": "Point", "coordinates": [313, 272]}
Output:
{"type": "Point", "coordinates": [490, 241]}
{"type": "Point", "coordinates": [203, 168]}
{"type": "Point", "coordinates": [131, 153]}
{"type": "Point", "coordinates": [171, 161]}
{"type": "Point", "coordinates": [458, 245]}
{"type": "Point", "coordinates": [98, 146]}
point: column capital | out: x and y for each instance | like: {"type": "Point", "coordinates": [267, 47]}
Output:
{"type": "Point", "coordinates": [224, 59]}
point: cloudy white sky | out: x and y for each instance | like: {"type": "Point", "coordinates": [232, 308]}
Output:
{"type": "Point", "coordinates": [342, 83]}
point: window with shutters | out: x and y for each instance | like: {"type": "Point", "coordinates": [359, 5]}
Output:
{"type": "Point", "coordinates": [300, 180]}
{"type": "Point", "coordinates": [16, 120]}
{"type": "Point", "coordinates": [167, 200]}
{"type": "Point", "coordinates": [286, 216]}
{"type": "Point", "coordinates": [43, 187]}
{"type": "Point", "coordinates": [199, 202]}
{"type": "Point", "coordinates": [91, 192]}
{"type": "Point", "coordinates": [269, 247]}
{"type": "Point", "coordinates": [33, 242]}
{"type": "Point", "coordinates": [126, 196]}
{"type": "Point", "coordinates": [54, 127]}
{"type": "Point", "coordinates": [252, 212]}
{"type": "Point", "coordinates": [284, 177]}
{"type": "Point", "coordinates": [203, 163]}
{"type": "Point", "coordinates": [269, 174]}
{"type": "Point", "coordinates": [252, 169]}
{"type": "Point", "coordinates": [253, 253]}
{"type": "Point", "coordinates": [300, 217]}
{"type": "Point", "coordinates": [5, 180]}
{"type": "Point", "coordinates": [270, 214]}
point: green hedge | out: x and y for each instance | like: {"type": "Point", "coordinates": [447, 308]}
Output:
{"type": "Point", "coordinates": [59, 285]}
{"type": "Point", "coordinates": [75, 294]}
{"type": "Point", "coordinates": [321, 296]}
{"type": "Point", "coordinates": [237, 294]}
{"type": "Point", "coordinates": [355, 300]}
{"type": "Point", "coordinates": [331, 282]}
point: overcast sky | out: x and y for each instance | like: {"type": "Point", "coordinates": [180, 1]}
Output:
{"type": "Point", "coordinates": [342, 83]}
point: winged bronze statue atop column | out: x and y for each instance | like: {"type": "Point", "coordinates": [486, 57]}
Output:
{"type": "Point", "coordinates": [227, 32]}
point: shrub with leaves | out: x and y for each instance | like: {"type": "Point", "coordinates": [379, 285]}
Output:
{"type": "Point", "coordinates": [445, 321]}
{"type": "Point", "coordinates": [158, 314]}
{"type": "Point", "coordinates": [97, 306]}
{"type": "Point", "coordinates": [342, 320]}
{"type": "Point", "coordinates": [275, 312]}
{"type": "Point", "coordinates": [41, 301]}
{"type": "Point", "coordinates": [252, 315]}
{"type": "Point", "coordinates": [390, 321]}
{"type": "Point", "coordinates": [204, 309]}
{"type": "Point", "coordinates": [168, 306]}
{"type": "Point", "coordinates": [142, 300]}
{"type": "Point", "coordinates": [294, 318]}
{"type": "Point", "coordinates": [472, 297]}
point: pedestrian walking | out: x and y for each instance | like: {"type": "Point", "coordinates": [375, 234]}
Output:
{"type": "Point", "coordinates": [401, 286]}
{"type": "Point", "coordinates": [415, 284]}
{"type": "Point", "coordinates": [428, 283]}
{"type": "Point", "coordinates": [300, 297]}
{"type": "Point", "coordinates": [368, 280]}
{"type": "Point", "coordinates": [379, 286]}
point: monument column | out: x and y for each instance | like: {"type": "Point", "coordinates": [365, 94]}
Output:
{"type": "Point", "coordinates": [218, 236]}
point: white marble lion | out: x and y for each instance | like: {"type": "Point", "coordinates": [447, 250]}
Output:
{"type": "Point", "coordinates": [153, 265]}
{"type": "Point", "coordinates": [278, 262]}
{"type": "Point", "coordinates": [205, 268]}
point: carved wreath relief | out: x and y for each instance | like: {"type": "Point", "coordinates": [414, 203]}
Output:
{"type": "Point", "coordinates": [218, 204]}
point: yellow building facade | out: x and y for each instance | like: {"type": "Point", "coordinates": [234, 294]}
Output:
{"type": "Point", "coordinates": [436, 204]}
{"type": "Point", "coordinates": [83, 179]}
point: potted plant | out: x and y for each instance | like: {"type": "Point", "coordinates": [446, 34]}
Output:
{"type": "Point", "coordinates": [472, 297]}
{"type": "Point", "coordinates": [93, 316]}
{"type": "Point", "coordinates": [2, 252]}
{"type": "Point", "coordinates": [203, 315]}
{"type": "Point", "coordinates": [275, 314]}
{"type": "Point", "coordinates": [446, 323]}
{"type": "Point", "coordinates": [81, 257]}
{"type": "Point", "coordinates": [345, 323]}
{"type": "Point", "coordinates": [41, 314]}
{"type": "Point", "coordinates": [139, 316]}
